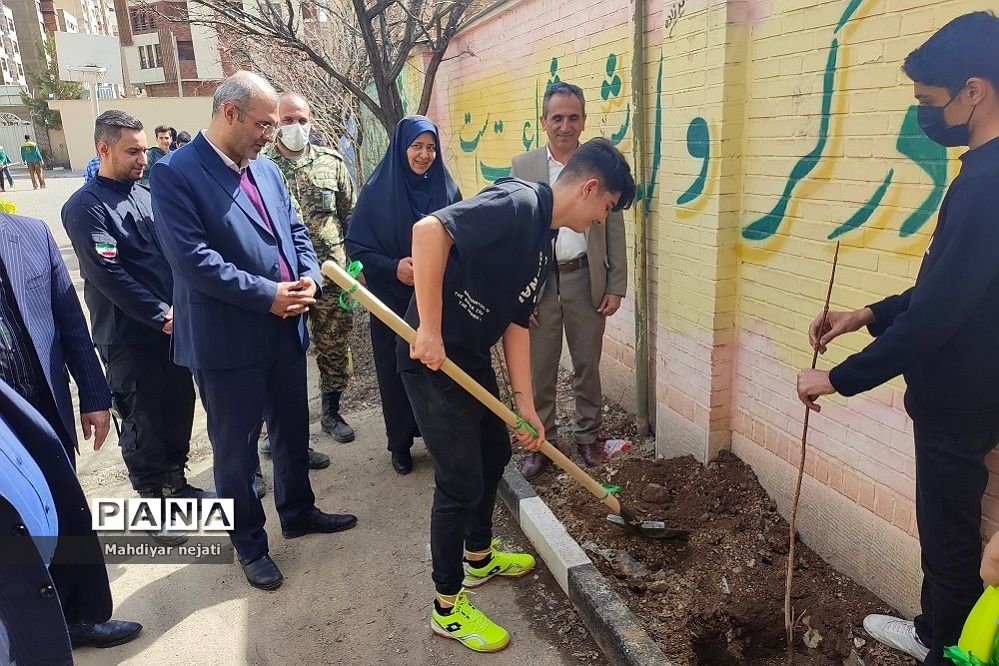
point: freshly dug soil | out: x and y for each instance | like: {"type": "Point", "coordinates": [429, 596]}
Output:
{"type": "Point", "coordinates": [718, 597]}
{"type": "Point", "coordinates": [738, 542]}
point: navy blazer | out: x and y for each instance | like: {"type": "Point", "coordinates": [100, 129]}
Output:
{"type": "Point", "coordinates": [224, 257]}
{"type": "Point", "coordinates": [52, 314]}
{"type": "Point", "coordinates": [29, 606]}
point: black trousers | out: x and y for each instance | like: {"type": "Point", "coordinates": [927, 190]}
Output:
{"type": "Point", "coordinates": [470, 447]}
{"type": "Point", "coordinates": [237, 400]}
{"type": "Point", "coordinates": [400, 424]}
{"type": "Point", "coordinates": [950, 481]}
{"type": "Point", "coordinates": [155, 399]}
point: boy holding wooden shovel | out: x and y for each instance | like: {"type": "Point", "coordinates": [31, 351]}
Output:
{"type": "Point", "coordinates": [477, 266]}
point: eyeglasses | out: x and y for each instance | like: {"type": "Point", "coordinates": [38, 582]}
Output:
{"type": "Point", "coordinates": [266, 129]}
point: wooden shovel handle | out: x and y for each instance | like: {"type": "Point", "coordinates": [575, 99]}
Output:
{"type": "Point", "coordinates": [333, 271]}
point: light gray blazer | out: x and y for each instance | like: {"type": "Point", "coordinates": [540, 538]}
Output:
{"type": "Point", "coordinates": [606, 250]}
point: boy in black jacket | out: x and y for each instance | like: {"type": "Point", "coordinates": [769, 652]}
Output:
{"type": "Point", "coordinates": [478, 266]}
{"type": "Point", "coordinates": [940, 335]}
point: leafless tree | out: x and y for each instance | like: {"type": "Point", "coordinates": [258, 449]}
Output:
{"type": "Point", "coordinates": [335, 112]}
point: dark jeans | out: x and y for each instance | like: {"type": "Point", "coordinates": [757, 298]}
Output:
{"type": "Point", "coordinates": [155, 399]}
{"type": "Point", "coordinates": [950, 481]}
{"type": "Point", "coordinates": [400, 424]}
{"type": "Point", "coordinates": [237, 400]}
{"type": "Point", "coordinates": [470, 447]}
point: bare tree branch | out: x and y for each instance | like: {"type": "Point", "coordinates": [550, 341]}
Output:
{"type": "Point", "coordinates": [355, 52]}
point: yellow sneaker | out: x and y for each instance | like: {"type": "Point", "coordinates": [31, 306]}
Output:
{"type": "Point", "coordinates": [502, 563]}
{"type": "Point", "coordinates": [470, 626]}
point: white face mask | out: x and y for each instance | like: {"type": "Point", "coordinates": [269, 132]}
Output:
{"type": "Point", "coordinates": [295, 137]}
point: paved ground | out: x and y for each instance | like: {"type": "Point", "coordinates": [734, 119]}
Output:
{"type": "Point", "coordinates": [357, 598]}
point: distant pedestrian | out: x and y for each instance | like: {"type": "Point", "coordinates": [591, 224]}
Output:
{"type": "Point", "coordinates": [32, 158]}
{"type": "Point", "coordinates": [155, 153]}
{"type": "Point", "coordinates": [5, 169]}
{"type": "Point", "coordinates": [93, 166]}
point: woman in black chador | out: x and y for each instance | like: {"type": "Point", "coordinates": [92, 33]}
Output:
{"type": "Point", "coordinates": [409, 183]}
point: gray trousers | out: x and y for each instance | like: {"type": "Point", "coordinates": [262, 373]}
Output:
{"type": "Point", "coordinates": [566, 305]}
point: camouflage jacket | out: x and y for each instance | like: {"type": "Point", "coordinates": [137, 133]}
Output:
{"type": "Point", "coordinates": [323, 195]}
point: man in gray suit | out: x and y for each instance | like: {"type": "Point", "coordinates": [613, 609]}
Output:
{"type": "Point", "coordinates": [587, 286]}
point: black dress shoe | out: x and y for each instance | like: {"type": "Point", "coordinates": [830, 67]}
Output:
{"type": "Point", "coordinates": [262, 573]}
{"type": "Point", "coordinates": [103, 635]}
{"type": "Point", "coordinates": [318, 460]}
{"type": "Point", "coordinates": [402, 462]}
{"type": "Point", "coordinates": [321, 523]}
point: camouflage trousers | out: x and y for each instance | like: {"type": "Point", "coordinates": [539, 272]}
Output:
{"type": "Point", "coordinates": [331, 326]}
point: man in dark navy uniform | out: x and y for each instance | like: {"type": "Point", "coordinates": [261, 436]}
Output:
{"type": "Point", "coordinates": [129, 290]}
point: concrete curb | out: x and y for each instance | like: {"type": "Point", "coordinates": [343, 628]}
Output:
{"type": "Point", "coordinates": [612, 625]}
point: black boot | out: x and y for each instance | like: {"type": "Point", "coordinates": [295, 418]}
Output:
{"type": "Point", "coordinates": [178, 487]}
{"type": "Point", "coordinates": [332, 422]}
{"type": "Point", "coordinates": [162, 536]}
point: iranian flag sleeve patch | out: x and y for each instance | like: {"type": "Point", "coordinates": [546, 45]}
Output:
{"type": "Point", "coordinates": [106, 250]}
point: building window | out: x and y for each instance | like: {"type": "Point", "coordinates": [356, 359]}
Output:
{"type": "Point", "coordinates": [185, 50]}
{"type": "Point", "coordinates": [150, 56]}
{"type": "Point", "coordinates": [10, 23]}
{"type": "Point", "coordinates": [20, 72]}
{"type": "Point", "coordinates": [142, 20]}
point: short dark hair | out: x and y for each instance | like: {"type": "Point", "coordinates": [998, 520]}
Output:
{"type": "Point", "coordinates": [598, 158]}
{"type": "Point", "coordinates": [184, 137]}
{"type": "Point", "coordinates": [562, 88]}
{"type": "Point", "coordinates": [162, 128]}
{"type": "Point", "coordinates": [109, 125]}
{"type": "Point", "coordinates": [27, 137]}
{"type": "Point", "coordinates": [967, 46]}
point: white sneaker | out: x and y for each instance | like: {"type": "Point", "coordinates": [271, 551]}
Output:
{"type": "Point", "coordinates": [896, 633]}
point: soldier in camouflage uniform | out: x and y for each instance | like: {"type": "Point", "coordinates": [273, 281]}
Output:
{"type": "Point", "coordinates": [320, 184]}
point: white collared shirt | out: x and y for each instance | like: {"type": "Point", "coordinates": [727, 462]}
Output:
{"type": "Point", "coordinates": [570, 244]}
{"type": "Point", "coordinates": [238, 168]}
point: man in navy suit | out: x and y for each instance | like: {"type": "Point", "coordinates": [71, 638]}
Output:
{"type": "Point", "coordinates": [50, 559]}
{"type": "Point", "coordinates": [43, 332]}
{"type": "Point", "coordinates": [245, 273]}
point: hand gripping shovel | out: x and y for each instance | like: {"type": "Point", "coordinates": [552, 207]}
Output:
{"type": "Point", "coordinates": [622, 516]}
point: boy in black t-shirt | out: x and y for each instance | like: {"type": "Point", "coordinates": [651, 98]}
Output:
{"type": "Point", "coordinates": [941, 335]}
{"type": "Point", "coordinates": [478, 266]}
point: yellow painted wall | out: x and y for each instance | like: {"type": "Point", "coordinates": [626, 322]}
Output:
{"type": "Point", "coordinates": [774, 130]}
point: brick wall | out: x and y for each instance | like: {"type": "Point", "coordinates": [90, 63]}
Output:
{"type": "Point", "coordinates": [773, 130]}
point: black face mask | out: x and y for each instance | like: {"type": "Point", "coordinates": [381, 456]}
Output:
{"type": "Point", "coordinates": [931, 120]}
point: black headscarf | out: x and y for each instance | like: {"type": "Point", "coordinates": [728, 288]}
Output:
{"type": "Point", "coordinates": [392, 200]}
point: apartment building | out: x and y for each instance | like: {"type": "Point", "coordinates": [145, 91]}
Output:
{"type": "Point", "coordinates": [11, 65]}
{"type": "Point", "coordinates": [167, 57]}
{"type": "Point", "coordinates": [29, 28]}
